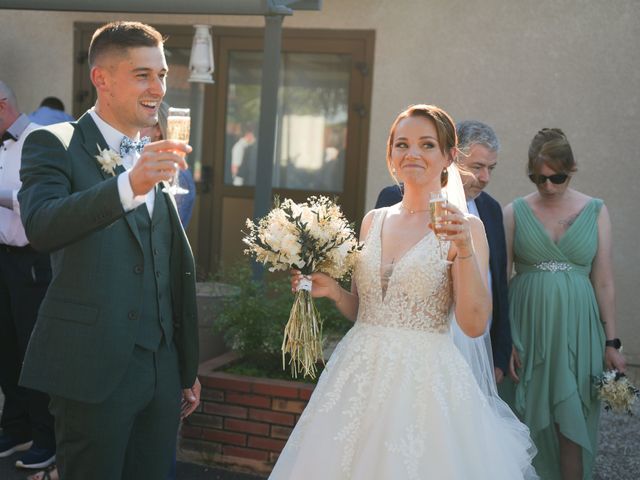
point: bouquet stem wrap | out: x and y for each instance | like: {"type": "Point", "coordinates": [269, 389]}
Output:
{"type": "Point", "coordinates": [303, 334]}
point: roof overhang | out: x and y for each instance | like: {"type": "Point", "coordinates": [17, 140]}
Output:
{"type": "Point", "coordinates": [198, 7]}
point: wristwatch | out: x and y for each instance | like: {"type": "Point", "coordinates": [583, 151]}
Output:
{"type": "Point", "coordinates": [614, 342]}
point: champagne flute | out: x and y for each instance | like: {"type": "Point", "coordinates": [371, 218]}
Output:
{"type": "Point", "coordinates": [178, 128]}
{"type": "Point", "coordinates": [438, 208]}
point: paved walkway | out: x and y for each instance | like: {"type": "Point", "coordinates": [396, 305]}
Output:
{"type": "Point", "coordinates": [185, 471]}
{"type": "Point", "coordinates": [618, 455]}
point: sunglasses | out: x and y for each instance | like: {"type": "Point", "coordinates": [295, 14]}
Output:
{"type": "Point", "coordinates": [557, 179]}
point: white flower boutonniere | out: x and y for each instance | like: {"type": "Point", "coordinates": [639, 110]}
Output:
{"type": "Point", "coordinates": [108, 160]}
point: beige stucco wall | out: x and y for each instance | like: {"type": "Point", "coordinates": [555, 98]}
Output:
{"type": "Point", "coordinates": [517, 65]}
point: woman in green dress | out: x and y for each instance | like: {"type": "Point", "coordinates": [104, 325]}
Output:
{"type": "Point", "coordinates": [561, 308]}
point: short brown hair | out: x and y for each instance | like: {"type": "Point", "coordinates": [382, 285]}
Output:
{"type": "Point", "coordinates": [445, 127]}
{"type": "Point", "coordinates": [550, 146]}
{"type": "Point", "coordinates": [121, 36]}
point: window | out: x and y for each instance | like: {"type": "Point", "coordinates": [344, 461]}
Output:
{"type": "Point", "coordinates": [312, 120]}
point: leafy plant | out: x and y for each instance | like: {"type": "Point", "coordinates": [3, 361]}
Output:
{"type": "Point", "coordinates": [252, 322]}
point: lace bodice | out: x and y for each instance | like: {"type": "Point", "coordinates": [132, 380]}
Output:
{"type": "Point", "coordinates": [416, 294]}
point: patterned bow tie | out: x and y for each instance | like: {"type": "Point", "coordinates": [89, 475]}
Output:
{"type": "Point", "coordinates": [127, 145]}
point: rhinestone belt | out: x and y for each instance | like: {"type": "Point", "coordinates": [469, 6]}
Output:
{"type": "Point", "coordinates": [553, 266]}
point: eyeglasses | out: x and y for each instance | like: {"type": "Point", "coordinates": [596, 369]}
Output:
{"type": "Point", "coordinates": [557, 179]}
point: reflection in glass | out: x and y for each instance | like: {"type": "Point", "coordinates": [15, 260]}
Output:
{"type": "Point", "coordinates": [312, 120]}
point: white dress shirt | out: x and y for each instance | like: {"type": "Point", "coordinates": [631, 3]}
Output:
{"type": "Point", "coordinates": [11, 229]}
{"type": "Point", "coordinates": [114, 138]}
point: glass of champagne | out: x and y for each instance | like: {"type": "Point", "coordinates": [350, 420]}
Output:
{"type": "Point", "coordinates": [178, 128]}
{"type": "Point", "coordinates": [437, 209]}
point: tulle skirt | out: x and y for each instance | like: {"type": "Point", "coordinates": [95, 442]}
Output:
{"type": "Point", "coordinates": [396, 404]}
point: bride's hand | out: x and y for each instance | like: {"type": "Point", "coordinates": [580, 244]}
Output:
{"type": "Point", "coordinates": [321, 285]}
{"type": "Point", "coordinates": [456, 229]}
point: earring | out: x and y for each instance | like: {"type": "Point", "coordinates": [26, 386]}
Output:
{"type": "Point", "coordinates": [393, 171]}
{"type": "Point", "coordinates": [444, 177]}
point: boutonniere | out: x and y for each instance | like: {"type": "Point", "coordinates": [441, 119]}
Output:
{"type": "Point", "coordinates": [108, 160]}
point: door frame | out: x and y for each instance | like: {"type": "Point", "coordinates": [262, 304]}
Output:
{"type": "Point", "coordinates": [359, 44]}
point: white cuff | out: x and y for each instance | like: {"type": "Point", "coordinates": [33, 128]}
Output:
{"type": "Point", "coordinates": [127, 198]}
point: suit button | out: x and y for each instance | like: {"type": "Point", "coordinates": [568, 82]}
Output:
{"type": "Point", "coordinates": [138, 269]}
{"type": "Point", "coordinates": [157, 274]}
{"type": "Point", "coordinates": [132, 315]}
{"type": "Point", "coordinates": [156, 252]}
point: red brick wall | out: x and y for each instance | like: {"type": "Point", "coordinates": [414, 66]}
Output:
{"type": "Point", "coordinates": [241, 421]}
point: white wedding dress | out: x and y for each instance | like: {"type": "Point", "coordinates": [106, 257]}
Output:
{"type": "Point", "coordinates": [397, 400]}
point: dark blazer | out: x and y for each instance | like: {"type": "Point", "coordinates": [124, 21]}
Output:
{"type": "Point", "coordinates": [389, 196]}
{"type": "Point", "coordinates": [491, 215]}
{"type": "Point", "coordinates": [87, 324]}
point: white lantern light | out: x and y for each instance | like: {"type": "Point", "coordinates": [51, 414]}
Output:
{"type": "Point", "coordinates": [201, 60]}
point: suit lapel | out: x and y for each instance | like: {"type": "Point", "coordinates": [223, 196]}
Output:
{"type": "Point", "coordinates": [489, 221]}
{"type": "Point", "coordinates": [173, 213]}
{"type": "Point", "coordinates": [179, 247]}
{"type": "Point", "coordinates": [485, 215]}
{"type": "Point", "coordinates": [93, 141]}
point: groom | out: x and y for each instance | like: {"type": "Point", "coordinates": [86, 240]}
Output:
{"type": "Point", "coordinates": [479, 147]}
{"type": "Point", "coordinates": [115, 343]}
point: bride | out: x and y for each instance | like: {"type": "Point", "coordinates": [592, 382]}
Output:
{"type": "Point", "coordinates": [397, 400]}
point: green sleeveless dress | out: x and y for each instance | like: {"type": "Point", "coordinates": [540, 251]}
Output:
{"type": "Point", "coordinates": [556, 328]}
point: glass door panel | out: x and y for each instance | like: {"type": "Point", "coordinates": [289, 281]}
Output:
{"type": "Point", "coordinates": [312, 120]}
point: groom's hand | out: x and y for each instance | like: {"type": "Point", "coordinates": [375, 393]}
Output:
{"type": "Point", "coordinates": [158, 162]}
{"type": "Point", "coordinates": [190, 399]}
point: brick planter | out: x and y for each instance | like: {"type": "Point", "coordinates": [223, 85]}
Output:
{"type": "Point", "coordinates": [242, 421]}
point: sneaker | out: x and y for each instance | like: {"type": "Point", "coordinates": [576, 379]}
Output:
{"type": "Point", "coordinates": [9, 446]}
{"type": "Point", "coordinates": [36, 458]}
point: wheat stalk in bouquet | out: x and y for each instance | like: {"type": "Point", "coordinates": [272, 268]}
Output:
{"type": "Point", "coordinates": [312, 237]}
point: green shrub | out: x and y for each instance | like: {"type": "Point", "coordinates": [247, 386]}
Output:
{"type": "Point", "coordinates": [252, 323]}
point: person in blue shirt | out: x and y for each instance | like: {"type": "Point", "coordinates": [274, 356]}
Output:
{"type": "Point", "coordinates": [50, 111]}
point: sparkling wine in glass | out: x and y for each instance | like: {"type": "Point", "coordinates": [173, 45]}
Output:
{"type": "Point", "coordinates": [178, 128]}
{"type": "Point", "coordinates": [437, 209]}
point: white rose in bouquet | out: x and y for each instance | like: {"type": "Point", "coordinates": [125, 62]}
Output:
{"type": "Point", "coordinates": [313, 237]}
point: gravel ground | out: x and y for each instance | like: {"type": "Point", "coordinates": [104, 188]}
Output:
{"type": "Point", "coordinates": [619, 447]}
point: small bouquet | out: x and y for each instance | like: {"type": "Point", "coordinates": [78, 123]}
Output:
{"type": "Point", "coordinates": [616, 392]}
{"type": "Point", "coordinates": [312, 237]}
